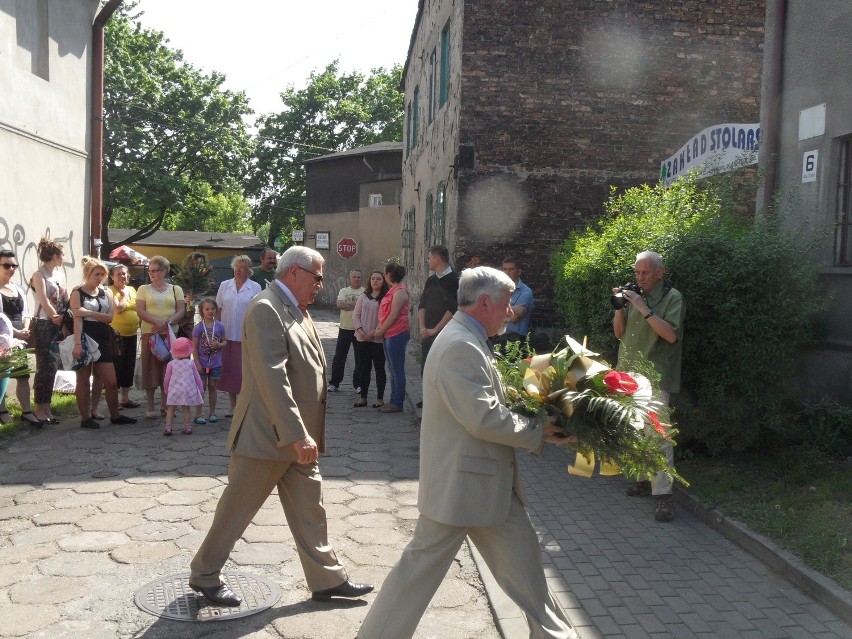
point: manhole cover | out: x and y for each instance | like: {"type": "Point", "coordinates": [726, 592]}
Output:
{"type": "Point", "coordinates": [171, 598]}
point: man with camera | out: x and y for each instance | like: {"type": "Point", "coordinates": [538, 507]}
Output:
{"type": "Point", "coordinates": [649, 320]}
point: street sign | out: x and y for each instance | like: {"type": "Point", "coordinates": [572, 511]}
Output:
{"type": "Point", "coordinates": [347, 247]}
{"type": "Point", "coordinates": [298, 235]}
{"type": "Point", "coordinates": [279, 243]}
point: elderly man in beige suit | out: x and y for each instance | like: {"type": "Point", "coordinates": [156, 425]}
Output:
{"type": "Point", "coordinates": [469, 482]}
{"type": "Point", "coordinates": [277, 434]}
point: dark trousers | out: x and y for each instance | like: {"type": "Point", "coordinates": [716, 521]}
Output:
{"type": "Point", "coordinates": [345, 339]}
{"type": "Point", "coordinates": [372, 356]}
{"type": "Point", "coordinates": [125, 366]}
{"type": "Point", "coordinates": [425, 345]}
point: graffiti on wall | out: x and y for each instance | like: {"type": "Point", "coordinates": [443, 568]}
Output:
{"type": "Point", "coordinates": [14, 237]}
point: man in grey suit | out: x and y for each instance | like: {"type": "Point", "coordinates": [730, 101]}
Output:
{"type": "Point", "coordinates": [469, 482]}
{"type": "Point", "coordinates": [277, 433]}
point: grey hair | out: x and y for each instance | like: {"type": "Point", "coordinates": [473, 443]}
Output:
{"type": "Point", "coordinates": [298, 256]}
{"type": "Point", "coordinates": [655, 258]}
{"type": "Point", "coordinates": [482, 280]}
{"type": "Point", "coordinates": [241, 259]}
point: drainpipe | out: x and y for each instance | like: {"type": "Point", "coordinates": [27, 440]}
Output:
{"type": "Point", "coordinates": [772, 131]}
{"type": "Point", "coordinates": [97, 150]}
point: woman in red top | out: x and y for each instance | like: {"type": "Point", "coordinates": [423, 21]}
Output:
{"type": "Point", "coordinates": [393, 326]}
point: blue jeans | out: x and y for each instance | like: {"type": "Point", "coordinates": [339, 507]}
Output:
{"type": "Point", "coordinates": [395, 356]}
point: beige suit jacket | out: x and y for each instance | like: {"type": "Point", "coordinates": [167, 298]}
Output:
{"type": "Point", "coordinates": [283, 392]}
{"type": "Point", "coordinates": [468, 436]}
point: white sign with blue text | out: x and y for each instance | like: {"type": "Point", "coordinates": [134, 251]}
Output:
{"type": "Point", "coordinates": [717, 148]}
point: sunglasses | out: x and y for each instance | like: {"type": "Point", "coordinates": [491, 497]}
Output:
{"type": "Point", "coordinates": [9, 267]}
{"type": "Point", "coordinates": [318, 278]}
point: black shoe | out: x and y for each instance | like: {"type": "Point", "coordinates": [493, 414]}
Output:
{"type": "Point", "coordinates": [419, 404]}
{"type": "Point", "coordinates": [122, 419]}
{"type": "Point", "coordinates": [639, 489]}
{"type": "Point", "coordinates": [219, 595]}
{"type": "Point", "coordinates": [346, 589]}
{"type": "Point", "coordinates": [89, 423]}
{"type": "Point", "coordinates": [29, 417]}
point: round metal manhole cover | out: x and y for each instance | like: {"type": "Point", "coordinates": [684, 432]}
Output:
{"type": "Point", "coordinates": [171, 598]}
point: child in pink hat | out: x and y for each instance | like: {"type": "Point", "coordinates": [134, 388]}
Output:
{"type": "Point", "coordinates": [182, 384]}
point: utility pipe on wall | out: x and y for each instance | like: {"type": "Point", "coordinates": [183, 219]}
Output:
{"type": "Point", "coordinates": [97, 149]}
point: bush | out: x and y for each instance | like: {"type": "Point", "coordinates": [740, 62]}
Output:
{"type": "Point", "coordinates": [749, 294]}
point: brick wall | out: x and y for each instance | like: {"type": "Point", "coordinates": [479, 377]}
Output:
{"type": "Point", "coordinates": [564, 99]}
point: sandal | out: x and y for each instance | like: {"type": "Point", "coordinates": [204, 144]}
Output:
{"type": "Point", "coordinates": [97, 416]}
{"type": "Point", "coordinates": [360, 404]}
{"type": "Point", "coordinates": [167, 430]}
{"type": "Point", "coordinates": [212, 419]}
{"type": "Point", "coordinates": [200, 421]}
{"type": "Point", "coordinates": [187, 430]}
{"type": "Point", "coordinates": [378, 404]}
{"type": "Point", "coordinates": [5, 417]}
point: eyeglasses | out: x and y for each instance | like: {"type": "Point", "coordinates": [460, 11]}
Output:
{"type": "Point", "coordinates": [9, 267]}
{"type": "Point", "coordinates": [155, 270]}
{"type": "Point", "coordinates": [318, 278]}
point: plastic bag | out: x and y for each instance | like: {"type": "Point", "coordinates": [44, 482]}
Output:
{"type": "Point", "coordinates": [161, 345]}
{"type": "Point", "coordinates": [89, 354]}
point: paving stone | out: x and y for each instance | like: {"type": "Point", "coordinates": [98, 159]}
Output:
{"type": "Point", "coordinates": [372, 520]}
{"type": "Point", "coordinates": [144, 552]}
{"type": "Point", "coordinates": [63, 516]}
{"type": "Point", "coordinates": [24, 620]}
{"type": "Point", "coordinates": [92, 541]}
{"type": "Point", "coordinates": [172, 513]}
{"type": "Point", "coordinates": [53, 589]}
{"type": "Point", "coordinates": [75, 564]}
{"type": "Point", "coordinates": [263, 553]}
{"type": "Point", "coordinates": [111, 522]}
{"type": "Point", "coordinates": [42, 534]}
{"type": "Point", "coordinates": [77, 630]}
{"type": "Point", "coordinates": [159, 531]}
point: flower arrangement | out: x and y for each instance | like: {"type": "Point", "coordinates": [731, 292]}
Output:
{"type": "Point", "coordinates": [14, 361]}
{"type": "Point", "coordinates": [194, 276]}
{"type": "Point", "coordinates": [602, 413]}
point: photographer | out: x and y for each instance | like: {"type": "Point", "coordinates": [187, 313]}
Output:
{"type": "Point", "coordinates": [649, 320]}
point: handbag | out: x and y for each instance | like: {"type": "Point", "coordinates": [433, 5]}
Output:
{"type": "Point", "coordinates": [90, 353]}
{"type": "Point", "coordinates": [161, 345]}
{"type": "Point", "coordinates": [116, 343]}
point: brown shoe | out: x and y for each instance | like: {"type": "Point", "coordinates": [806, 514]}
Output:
{"type": "Point", "coordinates": [390, 408]}
{"type": "Point", "coordinates": [639, 489]}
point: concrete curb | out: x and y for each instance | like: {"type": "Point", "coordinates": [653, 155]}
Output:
{"type": "Point", "coordinates": [829, 593]}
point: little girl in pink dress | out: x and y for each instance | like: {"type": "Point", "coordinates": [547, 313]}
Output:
{"type": "Point", "coordinates": [183, 385]}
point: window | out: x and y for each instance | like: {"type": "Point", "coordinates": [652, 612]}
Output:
{"type": "Point", "coordinates": [439, 225]}
{"type": "Point", "coordinates": [445, 65]}
{"type": "Point", "coordinates": [430, 112]}
{"type": "Point", "coordinates": [33, 38]}
{"type": "Point", "coordinates": [842, 247]}
{"type": "Point", "coordinates": [427, 223]}
{"type": "Point", "coordinates": [375, 200]}
{"type": "Point", "coordinates": [415, 117]}
{"type": "Point", "coordinates": [407, 239]}
{"type": "Point", "coordinates": [408, 129]}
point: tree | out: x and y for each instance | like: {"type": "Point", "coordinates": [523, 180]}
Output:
{"type": "Point", "coordinates": [335, 112]}
{"type": "Point", "coordinates": [175, 142]}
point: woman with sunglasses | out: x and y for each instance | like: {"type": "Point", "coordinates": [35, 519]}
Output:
{"type": "Point", "coordinates": [13, 303]}
{"type": "Point", "coordinates": [51, 297]}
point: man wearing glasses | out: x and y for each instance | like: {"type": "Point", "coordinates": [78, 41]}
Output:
{"type": "Point", "coordinates": [276, 435]}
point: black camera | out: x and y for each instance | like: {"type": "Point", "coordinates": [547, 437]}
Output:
{"type": "Point", "coordinates": [618, 300]}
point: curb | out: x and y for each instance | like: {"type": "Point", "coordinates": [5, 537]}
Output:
{"type": "Point", "coordinates": [829, 593]}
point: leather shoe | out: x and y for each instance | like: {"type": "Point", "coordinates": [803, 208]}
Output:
{"type": "Point", "coordinates": [219, 595]}
{"type": "Point", "coordinates": [346, 589]}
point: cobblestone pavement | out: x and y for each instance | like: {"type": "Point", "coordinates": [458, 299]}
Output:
{"type": "Point", "coordinates": [87, 518]}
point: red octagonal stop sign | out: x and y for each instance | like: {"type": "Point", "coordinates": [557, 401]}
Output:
{"type": "Point", "coordinates": [347, 247]}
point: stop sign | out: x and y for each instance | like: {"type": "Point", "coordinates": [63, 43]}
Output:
{"type": "Point", "coordinates": [347, 247]}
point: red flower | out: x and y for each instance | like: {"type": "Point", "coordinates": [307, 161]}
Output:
{"type": "Point", "coordinates": [658, 426]}
{"type": "Point", "coordinates": [619, 382]}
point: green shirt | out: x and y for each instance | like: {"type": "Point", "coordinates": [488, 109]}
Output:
{"type": "Point", "coordinates": [639, 336]}
{"type": "Point", "coordinates": [262, 277]}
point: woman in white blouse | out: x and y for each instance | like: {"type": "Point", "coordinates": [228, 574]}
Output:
{"type": "Point", "coordinates": [233, 299]}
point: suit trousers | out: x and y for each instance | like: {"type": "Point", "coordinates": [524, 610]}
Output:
{"type": "Point", "coordinates": [512, 553]}
{"type": "Point", "coordinates": [250, 482]}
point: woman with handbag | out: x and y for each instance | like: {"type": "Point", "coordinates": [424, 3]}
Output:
{"type": "Point", "coordinates": [13, 303]}
{"type": "Point", "coordinates": [92, 307]}
{"type": "Point", "coordinates": [126, 323]}
{"type": "Point", "coordinates": [51, 296]}
{"type": "Point", "coordinates": [158, 304]}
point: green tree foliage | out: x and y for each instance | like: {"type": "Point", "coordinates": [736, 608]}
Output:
{"type": "Point", "coordinates": [335, 112]}
{"type": "Point", "coordinates": [176, 146]}
{"type": "Point", "coordinates": [750, 299]}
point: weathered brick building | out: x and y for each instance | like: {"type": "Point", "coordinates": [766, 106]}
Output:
{"type": "Point", "coordinates": [521, 114]}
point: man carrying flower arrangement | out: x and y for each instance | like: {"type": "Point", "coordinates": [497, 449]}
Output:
{"type": "Point", "coordinates": [469, 481]}
{"type": "Point", "coordinates": [651, 323]}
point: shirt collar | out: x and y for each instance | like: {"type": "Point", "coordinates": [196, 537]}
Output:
{"type": "Point", "coordinates": [287, 292]}
{"type": "Point", "coordinates": [478, 325]}
{"type": "Point", "coordinates": [446, 271]}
